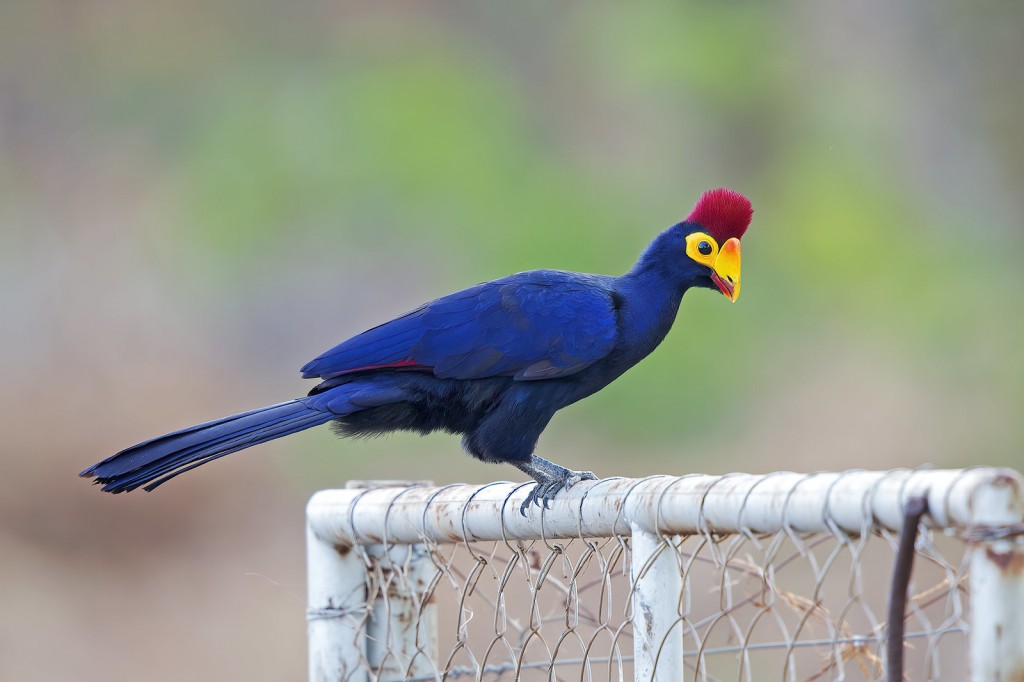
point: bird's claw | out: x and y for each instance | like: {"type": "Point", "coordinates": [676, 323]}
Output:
{"type": "Point", "coordinates": [542, 493]}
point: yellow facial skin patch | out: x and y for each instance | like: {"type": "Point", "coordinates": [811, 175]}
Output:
{"type": "Point", "coordinates": [724, 262]}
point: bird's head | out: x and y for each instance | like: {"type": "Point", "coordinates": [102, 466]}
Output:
{"type": "Point", "coordinates": [712, 233]}
{"type": "Point", "coordinates": [703, 250]}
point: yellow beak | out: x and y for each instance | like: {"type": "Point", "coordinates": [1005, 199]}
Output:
{"type": "Point", "coordinates": [727, 269]}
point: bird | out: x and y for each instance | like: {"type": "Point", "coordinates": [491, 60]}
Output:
{"type": "Point", "coordinates": [492, 363]}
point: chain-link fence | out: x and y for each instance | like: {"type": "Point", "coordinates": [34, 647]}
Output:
{"type": "Point", "coordinates": [737, 577]}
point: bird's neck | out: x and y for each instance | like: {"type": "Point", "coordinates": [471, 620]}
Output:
{"type": "Point", "coordinates": [649, 303]}
{"type": "Point", "coordinates": [657, 277]}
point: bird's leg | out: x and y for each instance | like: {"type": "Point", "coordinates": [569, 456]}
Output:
{"type": "Point", "coordinates": [550, 479]}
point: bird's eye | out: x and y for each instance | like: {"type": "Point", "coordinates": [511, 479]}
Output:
{"type": "Point", "coordinates": [704, 248]}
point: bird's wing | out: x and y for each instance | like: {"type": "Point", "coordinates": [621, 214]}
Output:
{"type": "Point", "coordinates": [533, 325]}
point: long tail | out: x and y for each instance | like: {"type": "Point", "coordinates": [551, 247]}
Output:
{"type": "Point", "coordinates": [158, 460]}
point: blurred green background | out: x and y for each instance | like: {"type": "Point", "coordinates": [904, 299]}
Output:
{"type": "Point", "coordinates": [198, 197]}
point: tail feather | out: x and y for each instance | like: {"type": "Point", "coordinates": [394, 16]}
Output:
{"type": "Point", "coordinates": [231, 446]}
{"type": "Point", "coordinates": [223, 436]}
{"type": "Point", "coordinates": [158, 460]}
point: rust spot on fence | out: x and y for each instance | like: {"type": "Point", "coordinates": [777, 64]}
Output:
{"type": "Point", "coordinates": [444, 522]}
{"type": "Point", "coordinates": [998, 481]}
{"type": "Point", "coordinates": [1011, 562]}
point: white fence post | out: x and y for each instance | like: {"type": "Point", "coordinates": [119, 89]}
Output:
{"type": "Point", "coordinates": [997, 581]}
{"type": "Point", "coordinates": [368, 608]}
{"type": "Point", "coordinates": [657, 630]}
{"type": "Point", "coordinates": [336, 611]}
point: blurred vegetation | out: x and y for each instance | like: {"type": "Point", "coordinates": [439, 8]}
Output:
{"type": "Point", "coordinates": [195, 198]}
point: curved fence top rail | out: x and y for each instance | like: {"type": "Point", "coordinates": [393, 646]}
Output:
{"type": "Point", "coordinates": [849, 502]}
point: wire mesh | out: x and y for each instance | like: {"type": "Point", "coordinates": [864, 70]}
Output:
{"type": "Point", "coordinates": [801, 605]}
{"type": "Point", "coordinates": [782, 606]}
{"type": "Point", "coordinates": [740, 577]}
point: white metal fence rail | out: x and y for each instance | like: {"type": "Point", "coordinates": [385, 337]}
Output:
{"type": "Point", "coordinates": [748, 577]}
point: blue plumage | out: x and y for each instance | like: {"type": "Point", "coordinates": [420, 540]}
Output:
{"type": "Point", "coordinates": [493, 362]}
{"type": "Point", "coordinates": [160, 459]}
{"type": "Point", "coordinates": [504, 327]}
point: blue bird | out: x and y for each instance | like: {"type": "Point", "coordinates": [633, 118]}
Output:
{"type": "Point", "coordinates": [493, 362]}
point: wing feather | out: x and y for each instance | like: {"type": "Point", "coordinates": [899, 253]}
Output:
{"type": "Point", "coordinates": [533, 325]}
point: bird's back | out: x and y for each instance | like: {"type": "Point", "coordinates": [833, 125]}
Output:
{"type": "Point", "coordinates": [531, 325]}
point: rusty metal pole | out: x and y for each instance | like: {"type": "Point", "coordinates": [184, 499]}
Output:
{"type": "Point", "coordinates": [657, 632]}
{"type": "Point", "coordinates": [997, 580]}
{"type": "Point", "coordinates": [914, 510]}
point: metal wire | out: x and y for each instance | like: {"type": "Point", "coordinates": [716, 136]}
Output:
{"type": "Point", "coordinates": [796, 610]}
{"type": "Point", "coordinates": [789, 604]}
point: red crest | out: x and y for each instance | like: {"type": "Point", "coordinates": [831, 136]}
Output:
{"type": "Point", "coordinates": [722, 213]}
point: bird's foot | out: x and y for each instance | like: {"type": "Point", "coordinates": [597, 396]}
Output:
{"type": "Point", "coordinates": [550, 479]}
